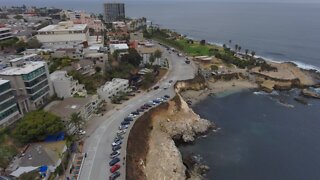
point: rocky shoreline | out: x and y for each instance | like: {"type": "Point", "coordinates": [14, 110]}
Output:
{"type": "Point", "coordinates": [175, 122]}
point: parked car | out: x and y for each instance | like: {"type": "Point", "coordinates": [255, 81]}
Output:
{"type": "Point", "coordinates": [144, 107]}
{"type": "Point", "coordinates": [122, 127]}
{"type": "Point", "coordinates": [116, 143]}
{"type": "Point", "coordinates": [114, 154]}
{"type": "Point", "coordinates": [121, 132]}
{"type": "Point", "coordinates": [114, 168]}
{"type": "Point", "coordinates": [156, 101]}
{"type": "Point", "coordinates": [128, 119]}
{"type": "Point", "coordinates": [125, 123]}
{"type": "Point", "coordinates": [156, 87]}
{"type": "Point", "coordinates": [135, 113]}
{"type": "Point", "coordinates": [118, 137]}
{"type": "Point", "coordinates": [160, 99]}
{"type": "Point", "coordinates": [148, 105]}
{"type": "Point", "coordinates": [114, 176]}
{"type": "Point", "coordinates": [166, 96]}
{"type": "Point", "coordinates": [116, 148]}
{"type": "Point", "coordinates": [170, 81]}
{"type": "Point", "coordinates": [114, 161]}
{"type": "Point", "coordinates": [140, 110]}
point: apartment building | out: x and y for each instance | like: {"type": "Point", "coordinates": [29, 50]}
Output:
{"type": "Point", "coordinates": [114, 12]}
{"type": "Point", "coordinates": [66, 34]}
{"type": "Point", "coordinates": [5, 33]}
{"type": "Point", "coordinates": [65, 86]}
{"type": "Point", "coordinates": [9, 112]}
{"type": "Point", "coordinates": [29, 81]}
{"type": "Point", "coordinates": [113, 88]}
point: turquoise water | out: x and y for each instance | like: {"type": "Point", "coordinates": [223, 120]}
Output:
{"type": "Point", "coordinates": [260, 138]}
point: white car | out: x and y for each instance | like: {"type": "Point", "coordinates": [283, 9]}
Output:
{"type": "Point", "coordinates": [82, 132]}
{"type": "Point", "coordinates": [160, 99]}
{"type": "Point", "coordinates": [114, 154]}
{"type": "Point", "coordinates": [116, 143]}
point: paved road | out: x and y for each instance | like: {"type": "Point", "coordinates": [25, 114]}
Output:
{"type": "Point", "coordinates": [98, 144]}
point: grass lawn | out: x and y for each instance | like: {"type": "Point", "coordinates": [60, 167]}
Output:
{"type": "Point", "coordinates": [7, 150]}
{"type": "Point", "coordinates": [196, 49]}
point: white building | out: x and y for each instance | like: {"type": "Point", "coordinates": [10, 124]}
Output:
{"type": "Point", "coordinates": [113, 88]}
{"type": "Point", "coordinates": [146, 52]}
{"type": "Point", "coordinates": [64, 35]}
{"type": "Point", "coordinates": [5, 33]}
{"type": "Point", "coordinates": [122, 48]}
{"type": "Point", "coordinates": [65, 86]}
{"type": "Point", "coordinates": [30, 82]}
{"type": "Point", "coordinates": [9, 112]}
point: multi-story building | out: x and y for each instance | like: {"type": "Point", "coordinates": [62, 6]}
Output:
{"type": "Point", "coordinates": [29, 81]}
{"type": "Point", "coordinates": [8, 106]}
{"type": "Point", "coordinates": [114, 12]}
{"type": "Point", "coordinates": [66, 34]}
{"type": "Point", "coordinates": [113, 88]}
{"type": "Point", "coordinates": [5, 33]}
{"type": "Point", "coordinates": [65, 86]}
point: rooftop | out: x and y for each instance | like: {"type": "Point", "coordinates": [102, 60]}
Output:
{"type": "Point", "coordinates": [59, 75]}
{"type": "Point", "coordinates": [2, 81]}
{"type": "Point", "coordinates": [26, 69]}
{"type": "Point", "coordinates": [119, 46]}
{"type": "Point", "coordinates": [43, 153]}
{"type": "Point", "coordinates": [64, 26]}
{"type": "Point", "coordinates": [113, 83]}
{"type": "Point", "coordinates": [66, 107]}
{"type": "Point", "coordinates": [4, 29]}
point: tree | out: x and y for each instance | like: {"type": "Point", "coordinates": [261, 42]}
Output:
{"type": "Point", "coordinates": [239, 48]}
{"type": "Point", "coordinates": [236, 47]}
{"type": "Point", "coordinates": [18, 17]}
{"type": "Point", "coordinates": [224, 46]}
{"type": "Point", "coordinates": [76, 121]}
{"type": "Point", "coordinates": [152, 58]}
{"type": "Point", "coordinates": [203, 42]}
{"type": "Point", "coordinates": [214, 67]}
{"type": "Point", "coordinates": [230, 41]}
{"type": "Point", "coordinates": [148, 79]}
{"type": "Point", "coordinates": [34, 44]}
{"type": "Point", "coordinates": [246, 51]}
{"type": "Point", "coordinates": [98, 69]}
{"type": "Point", "coordinates": [36, 125]}
{"type": "Point", "coordinates": [253, 53]}
{"type": "Point", "coordinates": [157, 54]}
{"type": "Point", "coordinates": [133, 57]}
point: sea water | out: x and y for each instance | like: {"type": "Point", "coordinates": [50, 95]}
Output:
{"type": "Point", "coordinates": [260, 137]}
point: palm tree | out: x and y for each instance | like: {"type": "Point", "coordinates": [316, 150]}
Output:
{"type": "Point", "coordinates": [230, 41]}
{"type": "Point", "coordinates": [224, 46]}
{"type": "Point", "coordinates": [76, 121]}
{"type": "Point", "coordinates": [253, 53]}
{"type": "Point", "coordinates": [236, 47]}
{"type": "Point", "coordinates": [246, 51]}
{"type": "Point", "coordinates": [239, 48]}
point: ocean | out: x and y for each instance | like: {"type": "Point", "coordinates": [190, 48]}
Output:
{"type": "Point", "coordinates": [261, 137]}
{"type": "Point", "coordinates": [277, 31]}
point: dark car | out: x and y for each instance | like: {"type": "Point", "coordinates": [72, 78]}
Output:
{"type": "Point", "coordinates": [114, 161]}
{"type": "Point", "coordinates": [148, 105]}
{"type": "Point", "coordinates": [144, 107]}
{"type": "Point", "coordinates": [115, 148]}
{"type": "Point", "coordinates": [155, 88]}
{"type": "Point", "coordinates": [125, 123]}
{"type": "Point", "coordinates": [135, 113]}
{"type": "Point", "coordinates": [140, 110]}
{"type": "Point", "coordinates": [166, 96]}
{"type": "Point", "coordinates": [170, 81]}
{"type": "Point", "coordinates": [117, 138]}
{"type": "Point", "coordinates": [156, 101]}
{"type": "Point", "coordinates": [114, 176]}
{"type": "Point", "coordinates": [128, 119]}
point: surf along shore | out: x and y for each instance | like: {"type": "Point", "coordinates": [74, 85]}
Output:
{"type": "Point", "coordinates": [152, 151]}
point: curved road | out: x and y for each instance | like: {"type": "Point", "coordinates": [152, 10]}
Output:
{"type": "Point", "coordinates": [98, 144]}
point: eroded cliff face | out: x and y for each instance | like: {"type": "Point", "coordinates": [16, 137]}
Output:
{"type": "Point", "coordinates": [177, 122]}
{"type": "Point", "coordinates": [198, 83]}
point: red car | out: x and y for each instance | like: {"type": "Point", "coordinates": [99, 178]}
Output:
{"type": "Point", "coordinates": [114, 168]}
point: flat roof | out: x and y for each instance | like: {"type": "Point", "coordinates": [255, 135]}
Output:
{"type": "Point", "coordinates": [26, 69]}
{"type": "Point", "coordinates": [24, 57]}
{"type": "Point", "coordinates": [63, 26]}
{"type": "Point", "coordinates": [2, 81]}
{"type": "Point", "coordinates": [4, 29]}
{"type": "Point", "coordinates": [70, 105]}
{"type": "Point", "coordinates": [119, 46]}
